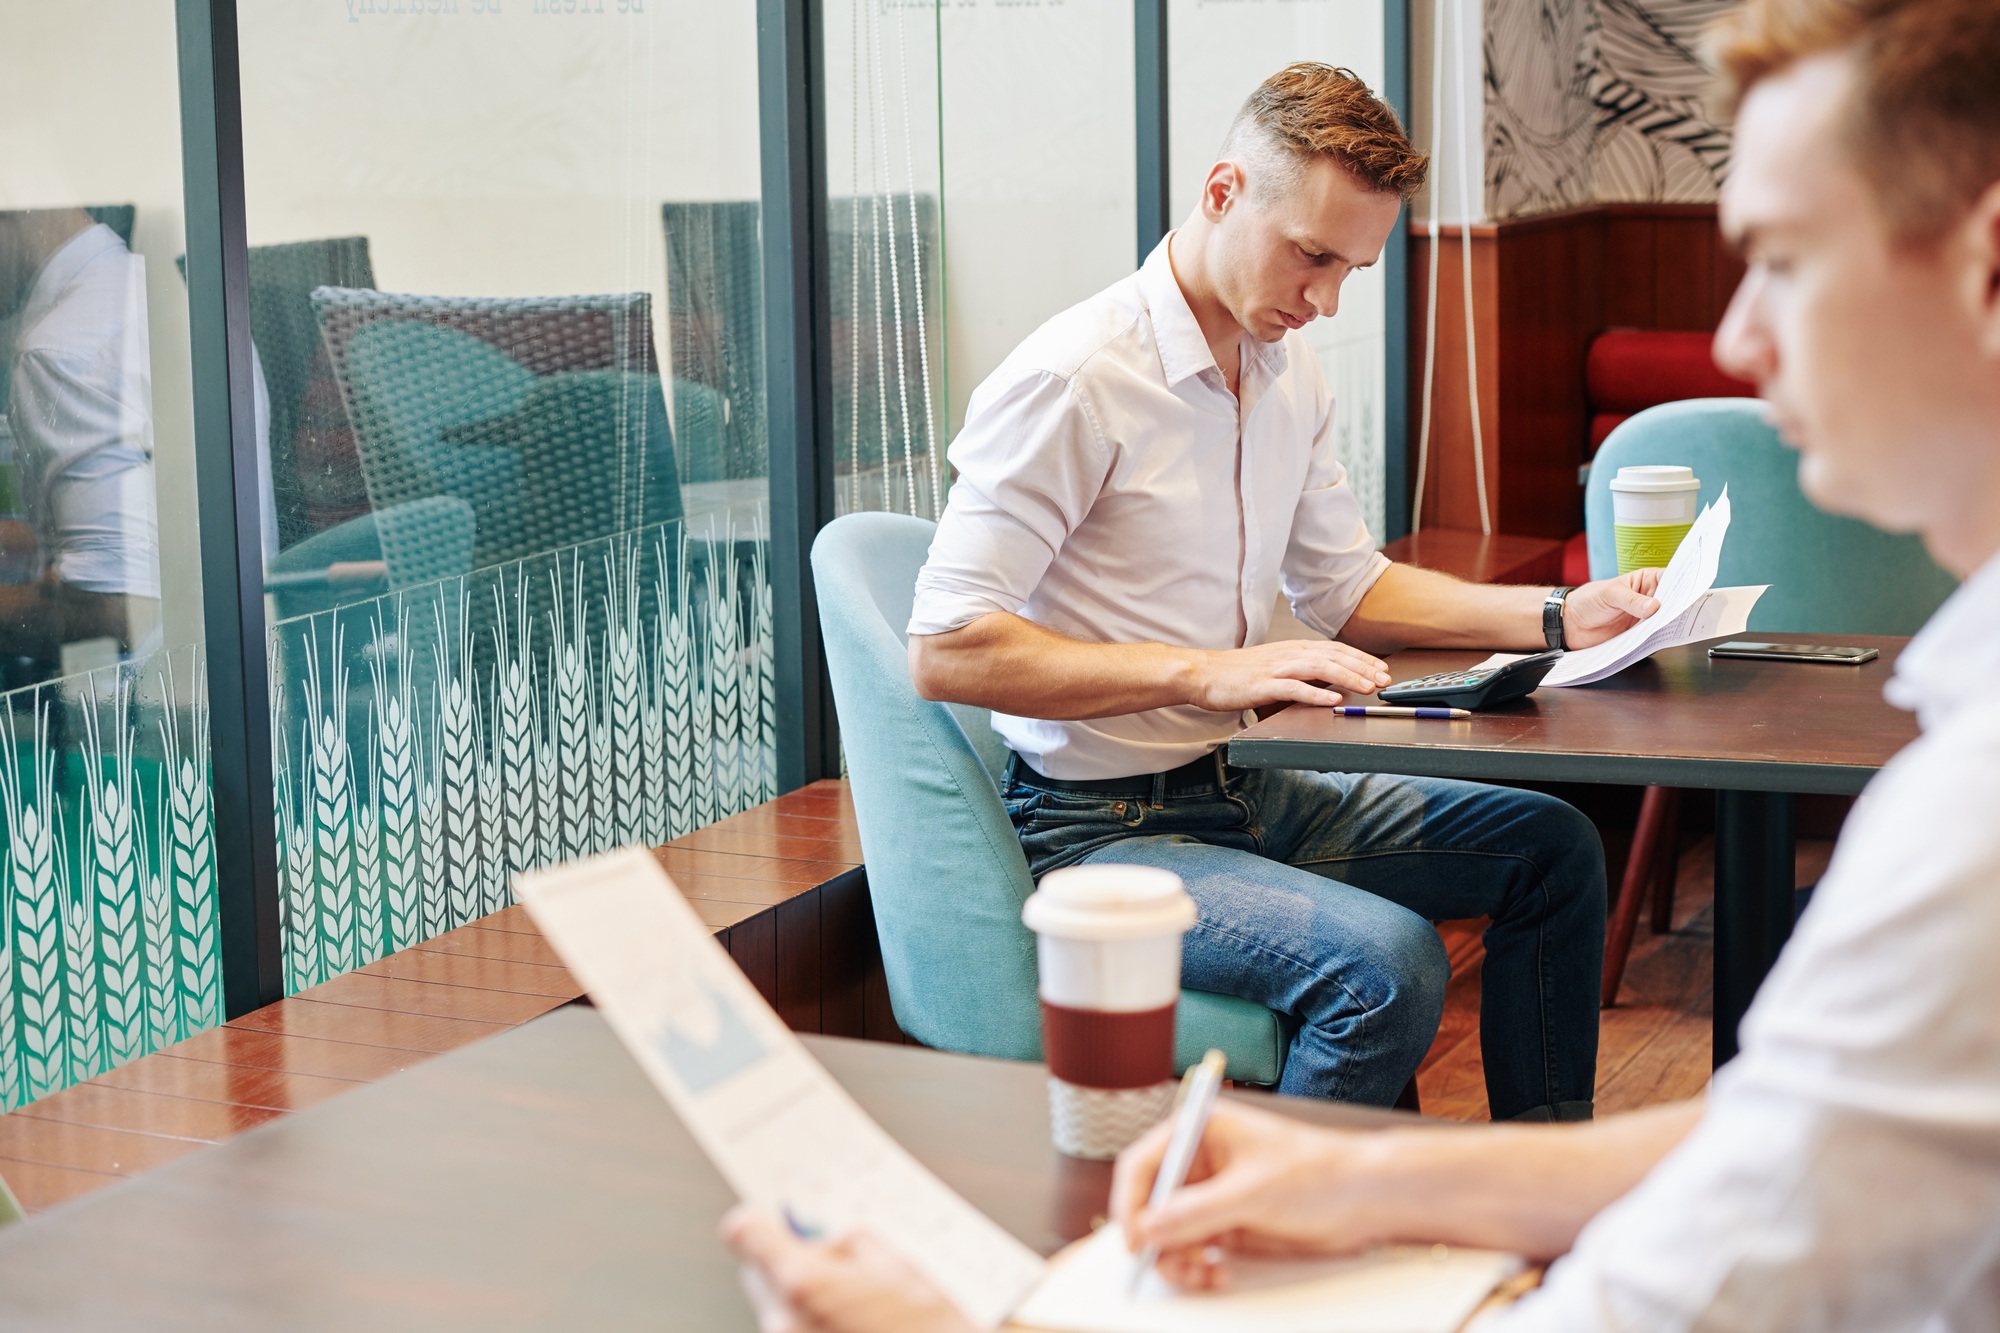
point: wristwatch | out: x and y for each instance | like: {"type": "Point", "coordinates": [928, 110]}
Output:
{"type": "Point", "coordinates": [1552, 617]}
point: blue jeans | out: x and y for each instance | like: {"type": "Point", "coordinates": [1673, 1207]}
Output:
{"type": "Point", "coordinates": [1317, 893]}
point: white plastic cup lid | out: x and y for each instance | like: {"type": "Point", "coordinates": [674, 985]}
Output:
{"type": "Point", "coordinates": [1655, 477]}
{"type": "Point", "coordinates": [1109, 902]}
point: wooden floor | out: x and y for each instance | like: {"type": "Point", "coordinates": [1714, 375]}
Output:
{"type": "Point", "coordinates": [498, 972]}
{"type": "Point", "coordinates": [468, 983]}
{"type": "Point", "coordinates": [1654, 1046]}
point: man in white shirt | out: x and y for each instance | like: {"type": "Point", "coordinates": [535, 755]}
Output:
{"type": "Point", "coordinates": [1843, 1173]}
{"type": "Point", "coordinates": [1136, 485]}
{"type": "Point", "coordinates": [79, 410]}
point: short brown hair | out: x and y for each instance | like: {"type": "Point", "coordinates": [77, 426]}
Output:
{"type": "Point", "coordinates": [1314, 110]}
{"type": "Point", "coordinates": [1924, 125]}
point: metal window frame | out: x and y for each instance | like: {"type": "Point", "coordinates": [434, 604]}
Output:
{"type": "Point", "coordinates": [227, 507]}
{"type": "Point", "coordinates": [798, 370]}
{"type": "Point", "coordinates": [1151, 107]}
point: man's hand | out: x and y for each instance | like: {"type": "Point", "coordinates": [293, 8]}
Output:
{"type": "Point", "coordinates": [1260, 1184]}
{"type": "Point", "coordinates": [1310, 671]}
{"type": "Point", "coordinates": [1607, 608]}
{"type": "Point", "coordinates": [855, 1284]}
{"type": "Point", "coordinates": [1012, 665]}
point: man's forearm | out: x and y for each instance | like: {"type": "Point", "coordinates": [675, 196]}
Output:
{"type": "Point", "coordinates": [1012, 665]}
{"type": "Point", "coordinates": [1410, 607]}
{"type": "Point", "coordinates": [1525, 1188]}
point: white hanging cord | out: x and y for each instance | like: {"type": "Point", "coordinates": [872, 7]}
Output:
{"type": "Point", "coordinates": [1465, 131]}
{"type": "Point", "coordinates": [875, 250]}
{"type": "Point", "coordinates": [854, 249]}
{"type": "Point", "coordinates": [1431, 291]}
{"type": "Point", "coordinates": [917, 281]}
{"type": "Point", "coordinates": [895, 269]}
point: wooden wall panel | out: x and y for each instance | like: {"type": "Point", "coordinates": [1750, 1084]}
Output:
{"type": "Point", "coordinates": [1451, 493]}
{"type": "Point", "coordinates": [1543, 288]}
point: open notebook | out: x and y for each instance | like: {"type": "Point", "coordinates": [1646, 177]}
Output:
{"type": "Point", "coordinates": [787, 1136]}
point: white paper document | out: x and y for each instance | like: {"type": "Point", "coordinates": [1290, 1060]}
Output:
{"type": "Point", "coordinates": [775, 1123]}
{"type": "Point", "coordinates": [1430, 1289]}
{"type": "Point", "coordinates": [1692, 608]}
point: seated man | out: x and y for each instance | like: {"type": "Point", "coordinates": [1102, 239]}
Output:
{"type": "Point", "coordinates": [1136, 483]}
{"type": "Point", "coordinates": [86, 551]}
{"type": "Point", "coordinates": [1844, 1171]}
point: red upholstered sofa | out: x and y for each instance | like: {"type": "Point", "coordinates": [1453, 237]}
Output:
{"type": "Point", "coordinates": [1630, 370]}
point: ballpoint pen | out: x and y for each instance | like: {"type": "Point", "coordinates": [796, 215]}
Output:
{"type": "Point", "coordinates": [1390, 710]}
{"type": "Point", "coordinates": [1197, 1098]}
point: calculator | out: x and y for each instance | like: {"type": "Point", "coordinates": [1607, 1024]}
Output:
{"type": "Point", "coordinates": [1478, 687]}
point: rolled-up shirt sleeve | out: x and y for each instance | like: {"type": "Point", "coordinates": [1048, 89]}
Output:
{"type": "Point", "coordinates": [1030, 462]}
{"type": "Point", "coordinates": [1331, 561]}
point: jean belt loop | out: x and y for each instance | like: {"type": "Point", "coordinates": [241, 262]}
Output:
{"type": "Point", "coordinates": [1011, 772]}
{"type": "Point", "coordinates": [1159, 791]}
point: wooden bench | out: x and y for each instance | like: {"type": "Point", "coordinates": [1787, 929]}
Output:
{"type": "Point", "coordinates": [781, 884]}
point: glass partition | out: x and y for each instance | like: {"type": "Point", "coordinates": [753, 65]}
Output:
{"type": "Point", "coordinates": [885, 242]}
{"type": "Point", "coordinates": [1038, 151]}
{"type": "Point", "coordinates": [108, 926]}
{"type": "Point", "coordinates": [1218, 52]}
{"type": "Point", "coordinates": [505, 287]}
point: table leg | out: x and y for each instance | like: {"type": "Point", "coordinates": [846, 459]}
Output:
{"type": "Point", "coordinates": [1754, 840]}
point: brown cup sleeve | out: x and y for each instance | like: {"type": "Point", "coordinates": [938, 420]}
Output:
{"type": "Point", "coordinates": [1095, 1049]}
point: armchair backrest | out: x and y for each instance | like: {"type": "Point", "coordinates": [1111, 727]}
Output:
{"type": "Point", "coordinates": [945, 869]}
{"type": "Point", "coordinates": [1828, 575]}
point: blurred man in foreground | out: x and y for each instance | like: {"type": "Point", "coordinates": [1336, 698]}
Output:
{"type": "Point", "coordinates": [1844, 1171]}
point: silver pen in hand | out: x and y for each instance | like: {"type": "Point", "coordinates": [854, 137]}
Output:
{"type": "Point", "coordinates": [1197, 1098]}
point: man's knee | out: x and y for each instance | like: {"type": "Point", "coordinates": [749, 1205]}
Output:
{"type": "Point", "coordinates": [1566, 843]}
{"type": "Point", "coordinates": [1406, 987]}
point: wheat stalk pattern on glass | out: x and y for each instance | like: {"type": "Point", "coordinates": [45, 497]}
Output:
{"type": "Point", "coordinates": [515, 717]}
{"type": "Point", "coordinates": [109, 946]}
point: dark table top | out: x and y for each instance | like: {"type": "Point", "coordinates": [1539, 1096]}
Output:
{"type": "Point", "coordinates": [1678, 719]}
{"type": "Point", "coordinates": [531, 1181]}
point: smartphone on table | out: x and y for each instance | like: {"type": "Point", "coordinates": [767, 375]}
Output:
{"type": "Point", "coordinates": [1794, 652]}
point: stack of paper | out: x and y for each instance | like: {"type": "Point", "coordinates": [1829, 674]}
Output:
{"type": "Point", "coordinates": [1691, 608]}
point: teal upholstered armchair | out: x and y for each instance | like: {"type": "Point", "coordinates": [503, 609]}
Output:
{"type": "Point", "coordinates": [945, 871]}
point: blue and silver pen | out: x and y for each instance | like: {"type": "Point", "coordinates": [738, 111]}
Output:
{"type": "Point", "coordinates": [1386, 710]}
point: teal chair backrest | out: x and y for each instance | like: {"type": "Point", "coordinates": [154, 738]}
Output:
{"type": "Point", "coordinates": [945, 870]}
{"type": "Point", "coordinates": [1828, 575]}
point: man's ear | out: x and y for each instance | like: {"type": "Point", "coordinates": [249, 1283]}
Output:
{"type": "Point", "coordinates": [1981, 237]}
{"type": "Point", "coordinates": [1221, 191]}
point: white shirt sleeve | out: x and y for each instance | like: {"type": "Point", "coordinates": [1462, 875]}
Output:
{"type": "Point", "coordinates": [1845, 1175]}
{"type": "Point", "coordinates": [1030, 462]}
{"type": "Point", "coordinates": [1331, 561]}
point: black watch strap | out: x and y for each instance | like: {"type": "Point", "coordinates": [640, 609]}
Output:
{"type": "Point", "coordinates": [1552, 616]}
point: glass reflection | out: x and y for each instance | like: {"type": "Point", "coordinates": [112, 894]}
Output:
{"type": "Point", "coordinates": [79, 540]}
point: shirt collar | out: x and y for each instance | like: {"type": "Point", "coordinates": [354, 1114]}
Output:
{"type": "Point", "coordinates": [1184, 351]}
{"type": "Point", "coordinates": [1956, 655]}
{"type": "Point", "coordinates": [60, 269]}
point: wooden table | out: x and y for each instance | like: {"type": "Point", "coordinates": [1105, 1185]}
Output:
{"type": "Point", "coordinates": [1755, 732]}
{"type": "Point", "coordinates": [534, 1180]}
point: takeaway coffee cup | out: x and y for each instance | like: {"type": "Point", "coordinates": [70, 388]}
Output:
{"type": "Point", "coordinates": [1108, 942]}
{"type": "Point", "coordinates": [1652, 508]}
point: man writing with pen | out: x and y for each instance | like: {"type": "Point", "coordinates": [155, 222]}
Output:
{"type": "Point", "coordinates": [1843, 1172]}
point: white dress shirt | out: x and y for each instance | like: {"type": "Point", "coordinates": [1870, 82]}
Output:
{"type": "Point", "coordinates": [81, 412]}
{"type": "Point", "coordinates": [1845, 1174]}
{"type": "Point", "coordinates": [1111, 488]}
